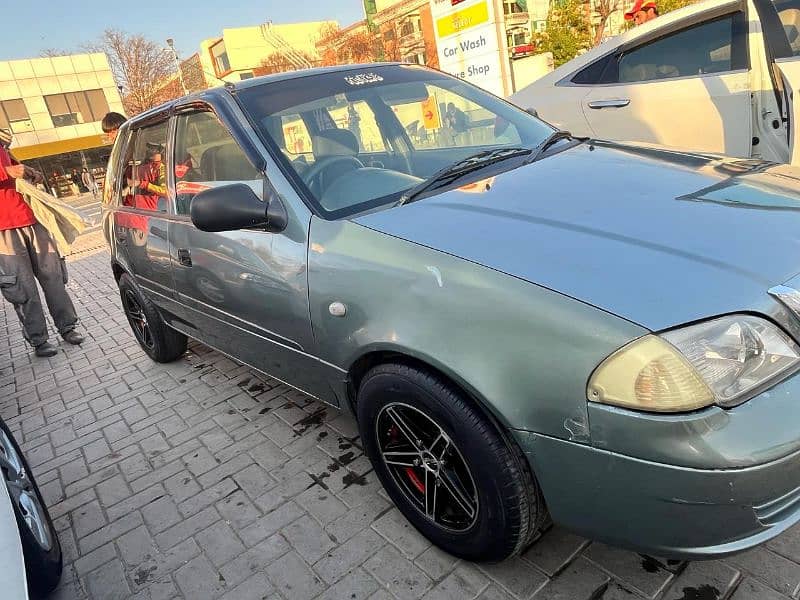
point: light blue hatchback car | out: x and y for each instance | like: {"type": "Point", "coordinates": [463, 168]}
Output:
{"type": "Point", "coordinates": [523, 323]}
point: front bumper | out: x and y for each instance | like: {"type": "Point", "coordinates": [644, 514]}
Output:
{"type": "Point", "coordinates": [661, 509]}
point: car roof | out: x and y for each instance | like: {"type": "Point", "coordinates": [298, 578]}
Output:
{"type": "Point", "coordinates": [216, 93]}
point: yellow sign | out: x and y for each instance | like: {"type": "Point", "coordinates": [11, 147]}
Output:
{"type": "Point", "coordinates": [59, 147]}
{"type": "Point", "coordinates": [463, 19]}
{"type": "Point", "coordinates": [430, 113]}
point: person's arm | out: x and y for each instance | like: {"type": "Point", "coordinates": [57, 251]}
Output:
{"type": "Point", "coordinates": [20, 171]}
{"type": "Point", "coordinates": [158, 187]}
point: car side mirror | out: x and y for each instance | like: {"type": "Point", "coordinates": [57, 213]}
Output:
{"type": "Point", "coordinates": [236, 206]}
{"type": "Point", "coordinates": [532, 111]}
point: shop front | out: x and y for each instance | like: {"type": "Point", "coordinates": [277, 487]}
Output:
{"type": "Point", "coordinates": [62, 162]}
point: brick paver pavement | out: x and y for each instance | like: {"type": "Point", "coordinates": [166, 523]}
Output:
{"type": "Point", "coordinates": [204, 479]}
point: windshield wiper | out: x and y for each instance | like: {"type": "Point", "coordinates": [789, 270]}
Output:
{"type": "Point", "coordinates": [551, 139]}
{"type": "Point", "coordinates": [461, 167]}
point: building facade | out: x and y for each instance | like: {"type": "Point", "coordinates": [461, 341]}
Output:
{"type": "Point", "coordinates": [53, 106]}
{"type": "Point", "coordinates": [245, 52]}
{"type": "Point", "coordinates": [406, 31]}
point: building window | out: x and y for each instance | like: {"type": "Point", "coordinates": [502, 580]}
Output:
{"type": "Point", "coordinates": [518, 37]}
{"type": "Point", "coordinates": [410, 26]}
{"type": "Point", "coordinates": [221, 63]}
{"type": "Point", "coordinates": [14, 116]}
{"type": "Point", "coordinates": [75, 108]}
{"type": "Point", "coordinates": [415, 59]}
{"type": "Point", "coordinates": [246, 75]}
{"type": "Point", "coordinates": [514, 6]}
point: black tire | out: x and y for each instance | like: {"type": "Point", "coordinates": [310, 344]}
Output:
{"type": "Point", "coordinates": [159, 341]}
{"type": "Point", "coordinates": [43, 565]}
{"type": "Point", "coordinates": [508, 510]}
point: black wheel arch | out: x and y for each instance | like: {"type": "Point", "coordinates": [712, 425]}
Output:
{"type": "Point", "coordinates": [369, 360]}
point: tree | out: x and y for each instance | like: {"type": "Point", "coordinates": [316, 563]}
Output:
{"type": "Point", "coordinates": [53, 52]}
{"type": "Point", "coordinates": [603, 9]}
{"type": "Point", "coordinates": [665, 6]}
{"type": "Point", "coordinates": [140, 66]}
{"type": "Point", "coordinates": [357, 45]}
{"type": "Point", "coordinates": [281, 62]}
{"type": "Point", "coordinates": [568, 31]}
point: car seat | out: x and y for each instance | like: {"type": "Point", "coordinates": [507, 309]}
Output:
{"type": "Point", "coordinates": [329, 143]}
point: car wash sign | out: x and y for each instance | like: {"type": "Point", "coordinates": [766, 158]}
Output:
{"type": "Point", "coordinates": [471, 42]}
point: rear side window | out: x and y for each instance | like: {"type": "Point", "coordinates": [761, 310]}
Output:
{"type": "Point", "coordinates": [716, 46]}
{"type": "Point", "coordinates": [113, 177]}
{"type": "Point", "coordinates": [597, 72]}
{"type": "Point", "coordinates": [206, 155]}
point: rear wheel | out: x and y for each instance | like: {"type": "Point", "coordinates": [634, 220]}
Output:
{"type": "Point", "coordinates": [159, 341]}
{"type": "Point", "coordinates": [40, 545]}
{"type": "Point", "coordinates": [446, 467]}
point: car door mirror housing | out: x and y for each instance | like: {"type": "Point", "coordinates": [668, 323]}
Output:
{"type": "Point", "coordinates": [277, 217]}
{"type": "Point", "coordinates": [228, 208]}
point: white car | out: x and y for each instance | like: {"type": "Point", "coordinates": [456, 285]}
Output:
{"type": "Point", "coordinates": [30, 553]}
{"type": "Point", "coordinates": [717, 77]}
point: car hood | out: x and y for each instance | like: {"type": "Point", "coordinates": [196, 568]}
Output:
{"type": "Point", "coordinates": [657, 237]}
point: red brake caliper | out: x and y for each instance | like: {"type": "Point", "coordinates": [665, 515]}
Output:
{"type": "Point", "coordinates": [415, 480]}
{"type": "Point", "coordinates": [394, 433]}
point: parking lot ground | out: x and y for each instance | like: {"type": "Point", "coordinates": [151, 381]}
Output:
{"type": "Point", "coordinates": [204, 479]}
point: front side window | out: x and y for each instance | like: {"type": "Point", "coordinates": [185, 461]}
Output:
{"type": "Point", "coordinates": [206, 156]}
{"type": "Point", "coordinates": [355, 140]}
{"type": "Point", "coordinates": [145, 185]}
{"type": "Point", "coordinates": [716, 46]}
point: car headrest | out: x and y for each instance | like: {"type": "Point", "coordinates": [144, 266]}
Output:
{"type": "Point", "coordinates": [232, 165]}
{"type": "Point", "coordinates": [226, 162]}
{"type": "Point", "coordinates": [334, 142]}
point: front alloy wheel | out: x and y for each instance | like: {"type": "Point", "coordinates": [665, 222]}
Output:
{"type": "Point", "coordinates": [427, 466]}
{"type": "Point", "coordinates": [446, 466]}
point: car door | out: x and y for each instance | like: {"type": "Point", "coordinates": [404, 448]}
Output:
{"type": "Point", "coordinates": [242, 292]}
{"type": "Point", "coordinates": [687, 87]}
{"type": "Point", "coordinates": [780, 23]}
{"type": "Point", "coordinates": [141, 220]}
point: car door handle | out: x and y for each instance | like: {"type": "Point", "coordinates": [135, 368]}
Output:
{"type": "Point", "coordinates": [615, 103]}
{"type": "Point", "coordinates": [184, 257]}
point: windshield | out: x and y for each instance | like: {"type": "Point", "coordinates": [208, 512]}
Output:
{"type": "Point", "coordinates": [357, 139]}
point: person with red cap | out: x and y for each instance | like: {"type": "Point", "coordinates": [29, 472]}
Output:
{"type": "Point", "coordinates": [642, 12]}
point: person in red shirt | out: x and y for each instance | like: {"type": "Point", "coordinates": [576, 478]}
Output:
{"type": "Point", "coordinates": [28, 253]}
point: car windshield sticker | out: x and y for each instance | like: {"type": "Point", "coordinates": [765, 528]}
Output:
{"type": "Point", "coordinates": [363, 78]}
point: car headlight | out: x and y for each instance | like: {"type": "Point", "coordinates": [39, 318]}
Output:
{"type": "Point", "coordinates": [722, 361]}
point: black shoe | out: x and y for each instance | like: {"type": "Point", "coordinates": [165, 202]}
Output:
{"type": "Point", "coordinates": [72, 337]}
{"type": "Point", "coordinates": [46, 349]}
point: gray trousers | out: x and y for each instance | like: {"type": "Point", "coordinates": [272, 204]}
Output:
{"type": "Point", "coordinates": [27, 254]}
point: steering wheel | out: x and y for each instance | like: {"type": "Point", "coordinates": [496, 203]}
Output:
{"type": "Point", "coordinates": [323, 163]}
